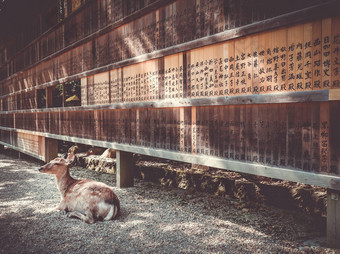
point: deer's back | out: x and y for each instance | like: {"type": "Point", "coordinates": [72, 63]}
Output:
{"type": "Point", "coordinates": [86, 195]}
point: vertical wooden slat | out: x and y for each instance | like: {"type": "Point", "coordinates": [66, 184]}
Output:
{"type": "Point", "coordinates": [242, 128]}
{"type": "Point", "coordinates": [262, 40]}
{"type": "Point", "coordinates": [193, 130]}
{"type": "Point", "coordinates": [248, 132]}
{"type": "Point", "coordinates": [279, 59]}
{"type": "Point", "coordinates": [335, 61]}
{"type": "Point", "coordinates": [306, 136]}
{"type": "Point", "coordinates": [316, 55]}
{"type": "Point", "coordinates": [133, 126]}
{"type": "Point", "coordinates": [326, 59]}
{"type": "Point", "coordinates": [231, 131]}
{"type": "Point", "coordinates": [192, 56]}
{"type": "Point", "coordinates": [255, 64]}
{"type": "Point", "coordinates": [298, 126]}
{"type": "Point", "coordinates": [240, 81]}
{"type": "Point", "coordinates": [275, 134]}
{"type": "Point", "coordinates": [147, 129]}
{"type": "Point", "coordinates": [334, 137]}
{"type": "Point", "coordinates": [315, 133]}
{"type": "Point", "coordinates": [295, 38]}
{"type": "Point", "coordinates": [237, 131]}
{"type": "Point", "coordinates": [307, 56]}
{"type": "Point", "coordinates": [261, 134]}
{"type": "Point", "coordinates": [138, 125]}
{"type": "Point", "coordinates": [268, 63]}
{"type": "Point", "coordinates": [324, 137]}
{"type": "Point", "coordinates": [182, 129]}
{"type": "Point", "coordinates": [231, 72]}
{"type": "Point", "coordinates": [188, 129]}
{"type": "Point", "coordinates": [215, 133]}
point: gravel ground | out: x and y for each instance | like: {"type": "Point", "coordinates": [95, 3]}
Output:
{"type": "Point", "coordinates": [154, 219]}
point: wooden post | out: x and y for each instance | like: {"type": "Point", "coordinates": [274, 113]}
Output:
{"type": "Point", "coordinates": [124, 169]}
{"type": "Point", "coordinates": [333, 218]}
{"type": "Point", "coordinates": [51, 149]}
{"type": "Point", "coordinates": [2, 148]}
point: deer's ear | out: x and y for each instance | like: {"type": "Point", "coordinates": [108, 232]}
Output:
{"type": "Point", "coordinates": [70, 159]}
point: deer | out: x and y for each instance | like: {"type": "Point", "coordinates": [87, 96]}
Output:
{"type": "Point", "coordinates": [85, 199]}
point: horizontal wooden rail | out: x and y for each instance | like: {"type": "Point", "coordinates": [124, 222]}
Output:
{"type": "Point", "coordinates": [39, 157]}
{"type": "Point", "coordinates": [288, 97]}
{"type": "Point", "coordinates": [323, 180]}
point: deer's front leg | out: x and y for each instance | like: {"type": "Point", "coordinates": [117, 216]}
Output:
{"type": "Point", "coordinates": [62, 206]}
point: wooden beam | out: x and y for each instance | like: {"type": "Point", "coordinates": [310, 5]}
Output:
{"type": "Point", "coordinates": [124, 169]}
{"type": "Point", "coordinates": [294, 175]}
{"type": "Point", "coordinates": [333, 219]}
{"type": "Point", "coordinates": [39, 157]}
{"type": "Point", "coordinates": [334, 94]}
{"type": "Point", "coordinates": [289, 97]}
{"type": "Point", "coordinates": [51, 149]}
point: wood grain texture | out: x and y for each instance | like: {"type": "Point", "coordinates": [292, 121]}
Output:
{"type": "Point", "coordinates": [333, 218]}
{"type": "Point", "coordinates": [190, 78]}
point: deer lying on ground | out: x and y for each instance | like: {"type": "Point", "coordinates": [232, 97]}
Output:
{"type": "Point", "coordinates": [84, 199]}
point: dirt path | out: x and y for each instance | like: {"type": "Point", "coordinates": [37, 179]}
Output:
{"type": "Point", "coordinates": [154, 219]}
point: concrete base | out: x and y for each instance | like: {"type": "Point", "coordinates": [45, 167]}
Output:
{"type": "Point", "coordinates": [125, 169]}
{"type": "Point", "coordinates": [333, 219]}
{"type": "Point", "coordinates": [51, 149]}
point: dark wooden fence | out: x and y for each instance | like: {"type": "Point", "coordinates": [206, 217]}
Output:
{"type": "Point", "coordinates": [251, 86]}
{"type": "Point", "coordinates": [223, 79]}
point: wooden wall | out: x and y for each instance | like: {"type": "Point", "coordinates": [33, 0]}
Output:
{"type": "Point", "coordinates": [298, 58]}
{"type": "Point", "coordinates": [128, 30]}
{"type": "Point", "coordinates": [232, 80]}
{"type": "Point", "coordinates": [303, 57]}
{"type": "Point", "coordinates": [294, 135]}
{"type": "Point", "coordinates": [28, 143]}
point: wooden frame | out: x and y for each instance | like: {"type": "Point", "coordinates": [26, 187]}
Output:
{"type": "Point", "coordinates": [256, 93]}
{"type": "Point", "coordinates": [289, 97]}
{"type": "Point", "coordinates": [327, 181]}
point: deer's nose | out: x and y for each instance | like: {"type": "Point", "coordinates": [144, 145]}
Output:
{"type": "Point", "coordinates": [41, 168]}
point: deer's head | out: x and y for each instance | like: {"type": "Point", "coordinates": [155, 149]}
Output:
{"type": "Point", "coordinates": [57, 165]}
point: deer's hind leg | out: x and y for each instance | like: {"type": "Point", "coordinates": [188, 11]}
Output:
{"type": "Point", "coordinates": [84, 217]}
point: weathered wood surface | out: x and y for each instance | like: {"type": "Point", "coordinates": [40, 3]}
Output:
{"type": "Point", "coordinates": [324, 180]}
{"type": "Point", "coordinates": [192, 78]}
{"type": "Point", "coordinates": [109, 49]}
{"type": "Point", "coordinates": [333, 218]}
{"type": "Point", "coordinates": [245, 85]}
{"type": "Point", "coordinates": [293, 59]}
{"type": "Point", "coordinates": [25, 142]}
{"type": "Point", "coordinates": [296, 135]}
